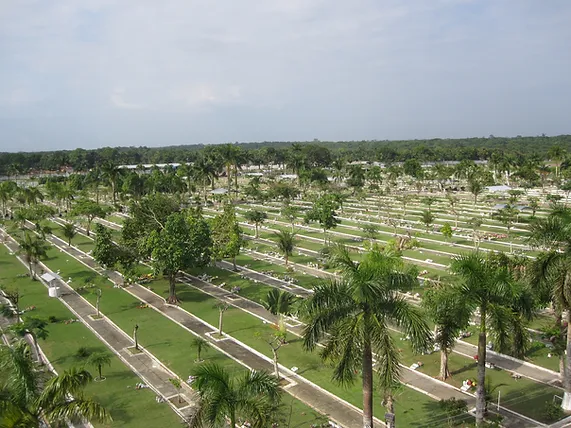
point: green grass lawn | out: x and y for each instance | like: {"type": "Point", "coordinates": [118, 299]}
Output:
{"type": "Point", "coordinates": [166, 340]}
{"type": "Point", "coordinates": [117, 393]}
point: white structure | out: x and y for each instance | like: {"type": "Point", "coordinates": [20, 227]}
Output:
{"type": "Point", "coordinates": [496, 189]}
{"type": "Point", "coordinates": [51, 279]}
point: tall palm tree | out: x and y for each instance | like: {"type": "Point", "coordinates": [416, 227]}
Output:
{"type": "Point", "coordinates": [447, 308]}
{"type": "Point", "coordinates": [476, 188]}
{"type": "Point", "coordinates": [489, 286]}
{"type": "Point", "coordinates": [551, 272]}
{"type": "Point", "coordinates": [352, 317]}
{"type": "Point", "coordinates": [285, 241]}
{"type": "Point", "coordinates": [33, 249]}
{"type": "Point", "coordinates": [111, 174]}
{"type": "Point", "coordinates": [28, 399]}
{"type": "Point", "coordinates": [69, 231]}
{"type": "Point", "coordinates": [253, 396]}
{"type": "Point", "coordinates": [204, 171]}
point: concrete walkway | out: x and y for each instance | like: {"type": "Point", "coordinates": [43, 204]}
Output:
{"type": "Point", "coordinates": [423, 383]}
{"type": "Point", "coordinates": [338, 410]}
{"type": "Point", "coordinates": [145, 365]}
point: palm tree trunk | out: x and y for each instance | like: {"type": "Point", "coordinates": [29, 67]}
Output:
{"type": "Point", "coordinates": [481, 376]}
{"type": "Point", "coordinates": [220, 320]}
{"type": "Point", "coordinates": [390, 406]}
{"type": "Point", "coordinates": [232, 418]}
{"type": "Point", "coordinates": [99, 369]}
{"type": "Point", "coordinates": [367, 384]}
{"type": "Point", "coordinates": [566, 404]}
{"type": "Point", "coordinates": [234, 263]}
{"type": "Point", "coordinates": [276, 366]}
{"type": "Point", "coordinates": [444, 370]}
{"type": "Point", "coordinates": [37, 348]}
{"type": "Point", "coordinates": [286, 259]}
{"type": "Point", "coordinates": [256, 226]}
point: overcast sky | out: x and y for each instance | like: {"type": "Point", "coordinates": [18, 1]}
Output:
{"type": "Point", "coordinates": [92, 73]}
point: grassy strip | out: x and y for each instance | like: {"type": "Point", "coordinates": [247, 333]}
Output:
{"type": "Point", "coordinates": [117, 393]}
{"type": "Point", "coordinates": [170, 343]}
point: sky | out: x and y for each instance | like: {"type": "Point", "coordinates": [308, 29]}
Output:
{"type": "Point", "coordinates": [94, 73]}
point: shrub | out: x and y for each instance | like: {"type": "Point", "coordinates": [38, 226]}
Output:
{"type": "Point", "coordinates": [552, 411]}
{"type": "Point", "coordinates": [53, 319]}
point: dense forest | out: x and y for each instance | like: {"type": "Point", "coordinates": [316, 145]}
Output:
{"type": "Point", "coordinates": [316, 153]}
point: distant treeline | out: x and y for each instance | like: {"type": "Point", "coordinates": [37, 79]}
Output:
{"type": "Point", "coordinates": [275, 152]}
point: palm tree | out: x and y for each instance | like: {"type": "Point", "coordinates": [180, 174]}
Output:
{"type": "Point", "coordinates": [489, 286]}
{"type": "Point", "coordinates": [285, 241]}
{"type": "Point", "coordinates": [28, 400]}
{"type": "Point", "coordinates": [257, 217]}
{"type": "Point", "coordinates": [98, 360]}
{"type": "Point", "coordinates": [200, 344]}
{"type": "Point", "coordinates": [253, 396]}
{"type": "Point", "coordinates": [204, 171]}
{"type": "Point", "coordinates": [427, 218]}
{"type": "Point", "coordinates": [33, 249]}
{"type": "Point", "coordinates": [111, 173]}
{"type": "Point", "coordinates": [36, 328]}
{"type": "Point", "coordinates": [475, 222]}
{"type": "Point", "coordinates": [69, 231]}
{"type": "Point", "coordinates": [557, 154]}
{"type": "Point", "coordinates": [447, 309]}
{"type": "Point", "coordinates": [476, 188]}
{"type": "Point", "coordinates": [552, 273]}
{"type": "Point", "coordinates": [352, 316]}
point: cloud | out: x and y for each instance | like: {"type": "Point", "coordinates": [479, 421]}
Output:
{"type": "Point", "coordinates": [118, 101]}
{"type": "Point", "coordinates": [202, 71]}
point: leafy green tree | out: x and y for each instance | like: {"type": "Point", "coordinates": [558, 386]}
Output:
{"type": "Point", "coordinates": [105, 251]}
{"type": "Point", "coordinates": [226, 235]}
{"type": "Point", "coordinates": [183, 243]}
{"type": "Point", "coordinates": [448, 310]}
{"type": "Point", "coordinates": [370, 230]}
{"type": "Point", "coordinates": [489, 286]}
{"type": "Point", "coordinates": [446, 231]}
{"type": "Point", "coordinates": [69, 231]}
{"type": "Point", "coordinates": [427, 218]}
{"type": "Point", "coordinates": [34, 249]}
{"type": "Point", "coordinates": [507, 216]}
{"type": "Point", "coordinates": [253, 396]}
{"type": "Point", "coordinates": [352, 317]}
{"type": "Point", "coordinates": [285, 240]}
{"type": "Point", "coordinates": [90, 210]}
{"type": "Point", "coordinates": [257, 217]}
{"type": "Point", "coordinates": [324, 212]}
{"type": "Point", "coordinates": [147, 215]}
{"type": "Point", "coordinates": [290, 212]}
{"type": "Point", "coordinates": [98, 360]}
{"type": "Point", "coordinates": [28, 400]}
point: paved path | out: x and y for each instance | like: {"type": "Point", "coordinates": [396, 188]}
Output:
{"type": "Point", "coordinates": [324, 402]}
{"type": "Point", "coordinates": [419, 381]}
{"type": "Point", "coordinates": [146, 366]}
